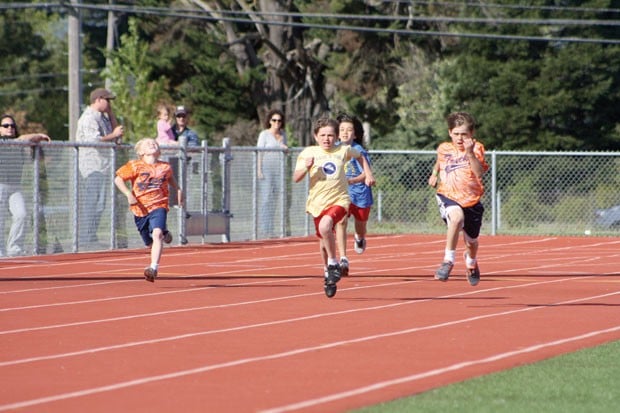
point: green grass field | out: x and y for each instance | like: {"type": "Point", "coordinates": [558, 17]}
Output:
{"type": "Point", "coordinates": [586, 381]}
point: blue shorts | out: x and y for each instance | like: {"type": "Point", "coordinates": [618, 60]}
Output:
{"type": "Point", "coordinates": [146, 225]}
{"type": "Point", "coordinates": [473, 215]}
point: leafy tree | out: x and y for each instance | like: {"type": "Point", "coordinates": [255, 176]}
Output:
{"type": "Point", "coordinates": [527, 94]}
{"type": "Point", "coordinates": [136, 94]}
{"type": "Point", "coordinates": [33, 71]}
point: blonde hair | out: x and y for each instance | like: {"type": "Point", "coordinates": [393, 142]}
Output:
{"type": "Point", "coordinates": [138, 147]}
{"type": "Point", "coordinates": [161, 107]}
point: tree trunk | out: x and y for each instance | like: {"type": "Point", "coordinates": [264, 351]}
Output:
{"type": "Point", "coordinates": [294, 81]}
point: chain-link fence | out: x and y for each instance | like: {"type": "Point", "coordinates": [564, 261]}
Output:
{"type": "Point", "coordinates": [542, 193]}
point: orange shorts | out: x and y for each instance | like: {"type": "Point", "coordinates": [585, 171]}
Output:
{"type": "Point", "coordinates": [360, 214]}
{"type": "Point", "coordinates": [336, 212]}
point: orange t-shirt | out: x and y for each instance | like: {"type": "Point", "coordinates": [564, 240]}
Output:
{"type": "Point", "coordinates": [149, 184]}
{"type": "Point", "coordinates": [456, 179]}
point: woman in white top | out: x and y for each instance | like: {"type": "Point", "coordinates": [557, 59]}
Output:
{"type": "Point", "coordinates": [270, 170]}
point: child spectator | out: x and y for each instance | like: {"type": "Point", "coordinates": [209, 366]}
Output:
{"type": "Point", "coordinates": [165, 135]}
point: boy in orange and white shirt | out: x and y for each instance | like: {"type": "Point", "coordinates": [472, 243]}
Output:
{"type": "Point", "coordinates": [460, 165]}
{"type": "Point", "coordinates": [148, 197]}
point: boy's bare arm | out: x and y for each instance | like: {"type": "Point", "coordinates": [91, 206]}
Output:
{"type": "Point", "coordinates": [474, 163]}
{"type": "Point", "coordinates": [120, 184]}
{"type": "Point", "coordinates": [432, 180]}
{"type": "Point", "coordinates": [299, 174]}
{"type": "Point", "coordinates": [369, 177]}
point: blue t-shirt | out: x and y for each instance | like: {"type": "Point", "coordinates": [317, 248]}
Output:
{"type": "Point", "coordinates": [360, 193]}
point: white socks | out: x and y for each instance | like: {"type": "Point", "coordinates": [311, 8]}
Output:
{"type": "Point", "coordinates": [449, 256]}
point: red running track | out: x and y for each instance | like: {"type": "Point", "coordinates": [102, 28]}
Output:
{"type": "Point", "coordinates": [246, 327]}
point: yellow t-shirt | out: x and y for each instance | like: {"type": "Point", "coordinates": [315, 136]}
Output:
{"type": "Point", "coordinates": [328, 182]}
{"type": "Point", "coordinates": [457, 181]}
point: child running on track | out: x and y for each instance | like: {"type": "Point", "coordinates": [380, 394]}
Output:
{"type": "Point", "coordinates": [460, 165]}
{"type": "Point", "coordinates": [351, 132]}
{"type": "Point", "coordinates": [148, 198]}
{"type": "Point", "coordinates": [328, 197]}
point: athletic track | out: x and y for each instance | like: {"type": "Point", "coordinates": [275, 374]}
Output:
{"type": "Point", "coordinates": [246, 327]}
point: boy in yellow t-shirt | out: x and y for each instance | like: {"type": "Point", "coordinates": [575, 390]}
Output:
{"type": "Point", "coordinates": [328, 197]}
{"type": "Point", "coordinates": [460, 165]}
{"type": "Point", "coordinates": [148, 197]}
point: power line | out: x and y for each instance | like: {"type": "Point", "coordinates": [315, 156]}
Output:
{"type": "Point", "coordinates": [203, 15]}
{"type": "Point", "coordinates": [511, 6]}
{"type": "Point", "coordinates": [232, 17]}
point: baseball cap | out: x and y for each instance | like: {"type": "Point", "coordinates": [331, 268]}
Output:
{"type": "Point", "coordinates": [101, 93]}
{"type": "Point", "coordinates": [180, 110]}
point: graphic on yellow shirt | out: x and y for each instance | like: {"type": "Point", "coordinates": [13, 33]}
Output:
{"type": "Point", "coordinates": [328, 183]}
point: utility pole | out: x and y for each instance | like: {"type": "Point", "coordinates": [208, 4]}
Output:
{"type": "Point", "coordinates": [110, 40]}
{"type": "Point", "coordinates": [75, 66]}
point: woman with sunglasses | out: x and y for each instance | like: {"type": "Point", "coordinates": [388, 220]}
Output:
{"type": "Point", "coordinates": [12, 161]}
{"type": "Point", "coordinates": [270, 170]}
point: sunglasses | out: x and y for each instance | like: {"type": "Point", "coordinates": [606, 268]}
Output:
{"type": "Point", "coordinates": [276, 120]}
{"type": "Point", "coordinates": [180, 116]}
{"type": "Point", "coordinates": [8, 125]}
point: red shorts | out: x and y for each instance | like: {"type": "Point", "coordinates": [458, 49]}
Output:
{"type": "Point", "coordinates": [360, 214]}
{"type": "Point", "coordinates": [336, 212]}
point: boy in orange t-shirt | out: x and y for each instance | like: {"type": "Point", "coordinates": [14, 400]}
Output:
{"type": "Point", "coordinates": [460, 165]}
{"type": "Point", "coordinates": [148, 197]}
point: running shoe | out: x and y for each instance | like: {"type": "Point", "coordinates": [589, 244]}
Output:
{"type": "Point", "coordinates": [473, 274]}
{"type": "Point", "coordinates": [333, 274]}
{"type": "Point", "coordinates": [344, 267]}
{"type": "Point", "coordinates": [167, 237]}
{"type": "Point", "coordinates": [360, 245]}
{"type": "Point", "coordinates": [150, 274]}
{"type": "Point", "coordinates": [443, 272]}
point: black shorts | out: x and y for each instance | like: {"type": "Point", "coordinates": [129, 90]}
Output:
{"type": "Point", "coordinates": [472, 214]}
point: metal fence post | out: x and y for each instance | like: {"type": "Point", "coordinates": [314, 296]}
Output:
{"type": "Point", "coordinates": [226, 178]}
{"type": "Point", "coordinates": [494, 204]}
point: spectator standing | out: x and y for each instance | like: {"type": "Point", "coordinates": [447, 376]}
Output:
{"type": "Point", "coordinates": [12, 162]}
{"type": "Point", "coordinates": [270, 169]}
{"type": "Point", "coordinates": [181, 131]}
{"type": "Point", "coordinates": [97, 124]}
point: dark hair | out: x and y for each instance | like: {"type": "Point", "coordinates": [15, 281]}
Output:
{"type": "Point", "coordinates": [358, 128]}
{"type": "Point", "coordinates": [13, 119]}
{"type": "Point", "coordinates": [459, 119]}
{"type": "Point", "coordinates": [275, 112]}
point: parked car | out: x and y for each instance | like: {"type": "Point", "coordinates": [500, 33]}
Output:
{"type": "Point", "coordinates": [608, 218]}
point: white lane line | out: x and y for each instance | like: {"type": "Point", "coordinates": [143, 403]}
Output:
{"type": "Point", "coordinates": [312, 402]}
{"type": "Point", "coordinates": [263, 324]}
{"type": "Point", "coordinates": [435, 372]}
